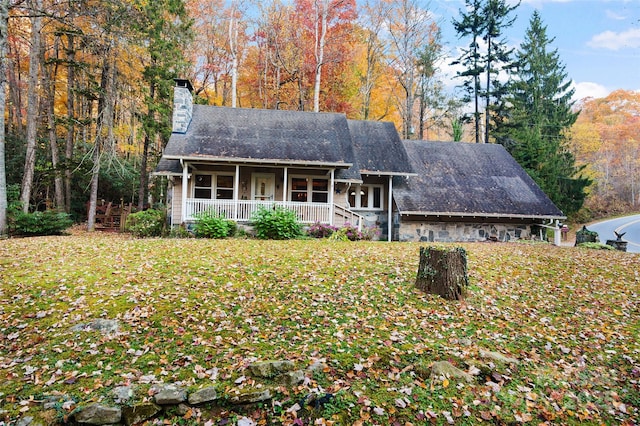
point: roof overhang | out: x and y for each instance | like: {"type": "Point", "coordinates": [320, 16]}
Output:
{"type": "Point", "coordinates": [271, 161]}
{"type": "Point", "coordinates": [383, 173]}
{"type": "Point", "coordinates": [166, 173]}
{"type": "Point", "coordinates": [479, 215]}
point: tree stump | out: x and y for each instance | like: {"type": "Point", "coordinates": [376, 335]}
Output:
{"type": "Point", "coordinates": [443, 271]}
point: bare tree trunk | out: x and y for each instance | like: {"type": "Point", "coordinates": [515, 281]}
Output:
{"type": "Point", "coordinates": [320, 40]}
{"type": "Point", "coordinates": [4, 18]}
{"type": "Point", "coordinates": [32, 106]}
{"type": "Point", "coordinates": [49, 81]}
{"type": "Point", "coordinates": [69, 140]}
{"type": "Point", "coordinates": [233, 50]}
{"type": "Point", "coordinates": [443, 272]}
{"type": "Point", "coordinates": [104, 131]}
{"type": "Point", "coordinates": [144, 182]}
{"type": "Point", "coordinates": [15, 98]}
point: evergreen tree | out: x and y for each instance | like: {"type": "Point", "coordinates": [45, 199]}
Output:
{"type": "Point", "coordinates": [484, 21]}
{"type": "Point", "coordinates": [164, 28]}
{"type": "Point", "coordinates": [498, 58]}
{"type": "Point", "coordinates": [539, 112]}
{"type": "Point", "coordinates": [471, 25]}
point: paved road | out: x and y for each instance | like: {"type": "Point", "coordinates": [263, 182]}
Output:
{"type": "Point", "coordinates": [629, 224]}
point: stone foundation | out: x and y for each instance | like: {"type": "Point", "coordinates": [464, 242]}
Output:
{"type": "Point", "coordinates": [461, 232]}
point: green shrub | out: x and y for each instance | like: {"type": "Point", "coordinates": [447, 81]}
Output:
{"type": "Point", "coordinates": [147, 223]}
{"type": "Point", "coordinates": [180, 232]}
{"type": "Point", "coordinates": [49, 222]}
{"type": "Point", "coordinates": [277, 223]}
{"type": "Point", "coordinates": [213, 225]}
{"type": "Point", "coordinates": [596, 246]}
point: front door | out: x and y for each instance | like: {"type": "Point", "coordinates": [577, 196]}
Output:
{"type": "Point", "coordinates": [263, 186]}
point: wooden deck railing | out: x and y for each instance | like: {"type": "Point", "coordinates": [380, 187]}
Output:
{"type": "Point", "coordinates": [242, 210]}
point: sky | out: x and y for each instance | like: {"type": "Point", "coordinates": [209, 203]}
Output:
{"type": "Point", "coordinates": [598, 41]}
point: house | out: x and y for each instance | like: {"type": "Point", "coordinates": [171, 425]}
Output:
{"type": "Point", "coordinates": [469, 192]}
{"type": "Point", "coordinates": [333, 170]}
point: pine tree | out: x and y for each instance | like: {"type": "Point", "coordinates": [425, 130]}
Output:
{"type": "Point", "coordinates": [484, 21]}
{"type": "Point", "coordinates": [471, 25]}
{"type": "Point", "coordinates": [165, 26]}
{"type": "Point", "coordinates": [539, 112]}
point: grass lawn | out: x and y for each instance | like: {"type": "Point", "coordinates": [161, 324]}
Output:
{"type": "Point", "coordinates": [197, 312]}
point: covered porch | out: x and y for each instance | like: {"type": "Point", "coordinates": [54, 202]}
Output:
{"type": "Point", "coordinates": [238, 191]}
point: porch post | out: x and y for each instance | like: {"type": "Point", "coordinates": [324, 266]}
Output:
{"type": "Point", "coordinates": [390, 207]}
{"type": "Point", "coordinates": [185, 182]}
{"type": "Point", "coordinates": [331, 190]}
{"type": "Point", "coordinates": [236, 187]}
{"type": "Point", "coordinates": [285, 184]}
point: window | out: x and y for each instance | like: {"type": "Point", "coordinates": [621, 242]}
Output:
{"type": "Point", "coordinates": [216, 187]}
{"type": "Point", "coordinates": [305, 189]}
{"type": "Point", "coordinates": [366, 197]}
{"type": "Point", "coordinates": [224, 187]}
{"type": "Point", "coordinates": [299, 189]}
{"type": "Point", "coordinates": [202, 186]}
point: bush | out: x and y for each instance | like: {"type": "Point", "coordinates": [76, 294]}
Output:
{"type": "Point", "coordinates": [147, 223]}
{"type": "Point", "coordinates": [212, 225]}
{"type": "Point", "coordinates": [49, 222]}
{"type": "Point", "coordinates": [321, 230]}
{"type": "Point", "coordinates": [351, 233]}
{"type": "Point", "coordinates": [277, 223]}
{"type": "Point", "coordinates": [180, 232]}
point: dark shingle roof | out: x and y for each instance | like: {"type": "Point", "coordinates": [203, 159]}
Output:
{"type": "Point", "coordinates": [465, 179]}
{"type": "Point", "coordinates": [168, 167]}
{"type": "Point", "coordinates": [255, 135]}
{"type": "Point", "coordinates": [378, 148]}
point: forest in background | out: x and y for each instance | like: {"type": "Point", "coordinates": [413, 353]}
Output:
{"type": "Point", "coordinates": [88, 99]}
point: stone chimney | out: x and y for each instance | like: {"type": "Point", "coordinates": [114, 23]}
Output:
{"type": "Point", "coordinates": [182, 105]}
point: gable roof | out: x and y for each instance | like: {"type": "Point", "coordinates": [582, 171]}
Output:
{"type": "Point", "coordinates": [467, 179]}
{"type": "Point", "coordinates": [263, 136]}
{"type": "Point", "coordinates": [378, 149]}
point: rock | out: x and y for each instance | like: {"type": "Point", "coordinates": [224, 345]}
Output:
{"type": "Point", "coordinates": [448, 370]}
{"type": "Point", "coordinates": [104, 326]}
{"type": "Point", "coordinates": [182, 409]}
{"type": "Point", "coordinates": [97, 414]}
{"type": "Point", "coordinates": [52, 402]}
{"type": "Point", "coordinates": [139, 413]}
{"type": "Point", "coordinates": [203, 395]}
{"type": "Point", "coordinates": [25, 421]}
{"type": "Point", "coordinates": [292, 378]}
{"type": "Point", "coordinates": [317, 366]}
{"type": "Point", "coordinates": [465, 341]}
{"type": "Point", "coordinates": [269, 369]}
{"type": "Point", "coordinates": [170, 395]}
{"type": "Point", "coordinates": [122, 394]}
{"type": "Point", "coordinates": [249, 396]}
{"type": "Point", "coordinates": [498, 357]}
{"type": "Point", "coordinates": [481, 369]}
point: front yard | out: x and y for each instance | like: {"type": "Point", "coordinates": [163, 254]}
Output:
{"type": "Point", "coordinates": [197, 313]}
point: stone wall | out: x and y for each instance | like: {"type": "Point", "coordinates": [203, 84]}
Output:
{"type": "Point", "coordinates": [460, 232]}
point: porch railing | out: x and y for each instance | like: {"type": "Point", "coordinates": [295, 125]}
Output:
{"type": "Point", "coordinates": [242, 210]}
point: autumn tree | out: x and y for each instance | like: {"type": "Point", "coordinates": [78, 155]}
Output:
{"type": "Point", "coordinates": [35, 10]}
{"type": "Point", "coordinates": [327, 25]}
{"type": "Point", "coordinates": [411, 28]}
{"type": "Point", "coordinates": [372, 18]}
{"type": "Point", "coordinates": [605, 141]}
{"type": "Point", "coordinates": [540, 114]}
